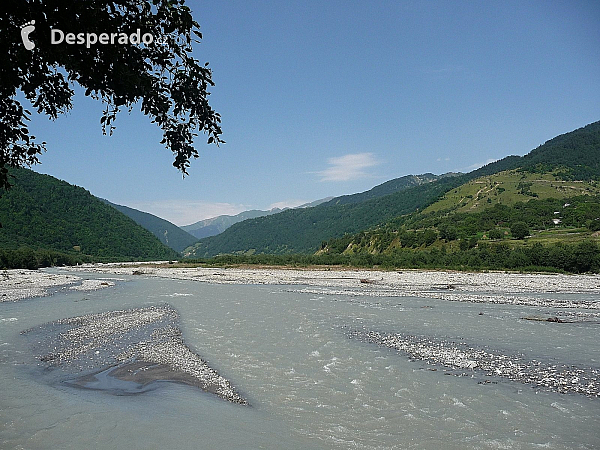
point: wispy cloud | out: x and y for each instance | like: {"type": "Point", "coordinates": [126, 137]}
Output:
{"type": "Point", "coordinates": [443, 159]}
{"type": "Point", "coordinates": [348, 167]}
{"type": "Point", "coordinates": [184, 212]}
{"type": "Point", "coordinates": [478, 165]}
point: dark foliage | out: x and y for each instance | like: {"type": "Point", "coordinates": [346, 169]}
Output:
{"type": "Point", "coordinates": [27, 258]}
{"type": "Point", "coordinates": [41, 212]}
{"type": "Point", "coordinates": [578, 258]}
{"type": "Point", "coordinates": [519, 230]}
{"type": "Point", "coordinates": [166, 232]}
{"type": "Point", "coordinates": [577, 153]}
{"type": "Point", "coordinates": [169, 84]}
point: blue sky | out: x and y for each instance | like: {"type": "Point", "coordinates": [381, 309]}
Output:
{"type": "Point", "coordinates": [331, 98]}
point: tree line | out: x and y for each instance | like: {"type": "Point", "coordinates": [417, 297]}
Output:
{"type": "Point", "coordinates": [582, 257]}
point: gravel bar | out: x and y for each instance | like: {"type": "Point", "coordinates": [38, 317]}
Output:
{"type": "Point", "coordinates": [489, 287]}
{"type": "Point", "coordinates": [146, 340]}
{"type": "Point", "coordinates": [466, 360]}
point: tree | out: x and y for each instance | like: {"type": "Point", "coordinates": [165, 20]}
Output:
{"type": "Point", "coordinates": [495, 233]}
{"type": "Point", "coordinates": [162, 76]}
{"type": "Point", "coordinates": [519, 230]}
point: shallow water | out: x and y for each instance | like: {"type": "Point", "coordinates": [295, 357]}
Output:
{"type": "Point", "coordinates": [308, 385]}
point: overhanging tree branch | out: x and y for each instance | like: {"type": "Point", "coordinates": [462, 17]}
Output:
{"type": "Point", "coordinates": [163, 78]}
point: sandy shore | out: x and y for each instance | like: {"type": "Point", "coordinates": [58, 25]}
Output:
{"type": "Point", "coordinates": [19, 284]}
{"type": "Point", "coordinates": [410, 279]}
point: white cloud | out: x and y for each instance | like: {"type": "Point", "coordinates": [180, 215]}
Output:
{"type": "Point", "coordinates": [184, 212]}
{"type": "Point", "coordinates": [443, 159]}
{"type": "Point", "coordinates": [348, 167]}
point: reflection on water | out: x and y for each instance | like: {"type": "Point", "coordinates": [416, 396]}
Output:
{"type": "Point", "coordinates": [109, 380]}
{"type": "Point", "coordinates": [145, 344]}
{"type": "Point", "coordinates": [308, 384]}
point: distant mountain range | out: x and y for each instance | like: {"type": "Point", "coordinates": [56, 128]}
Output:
{"type": "Point", "coordinates": [166, 232]}
{"type": "Point", "coordinates": [43, 213]}
{"type": "Point", "coordinates": [572, 156]}
{"type": "Point", "coordinates": [216, 225]}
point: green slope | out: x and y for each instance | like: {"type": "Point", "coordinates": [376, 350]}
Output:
{"type": "Point", "coordinates": [555, 195]}
{"type": "Point", "coordinates": [303, 231]}
{"type": "Point", "coordinates": [166, 232]}
{"type": "Point", "coordinates": [572, 155]}
{"type": "Point", "coordinates": [550, 220]}
{"type": "Point", "coordinates": [216, 225]}
{"type": "Point", "coordinates": [509, 187]}
{"type": "Point", "coordinates": [387, 188]}
{"type": "Point", "coordinates": [577, 153]}
{"type": "Point", "coordinates": [42, 212]}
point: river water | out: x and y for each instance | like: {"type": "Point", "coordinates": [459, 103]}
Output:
{"type": "Point", "coordinates": [309, 385]}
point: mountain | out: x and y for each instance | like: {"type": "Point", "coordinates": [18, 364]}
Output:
{"type": "Point", "coordinates": [42, 212]}
{"type": "Point", "coordinates": [577, 153]}
{"type": "Point", "coordinates": [571, 156]}
{"type": "Point", "coordinates": [571, 215]}
{"type": "Point", "coordinates": [216, 225]}
{"type": "Point", "coordinates": [315, 203]}
{"type": "Point", "coordinates": [554, 196]}
{"type": "Point", "coordinates": [303, 230]}
{"type": "Point", "coordinates": [389, 187]}
{"type": "Point", "coordinates": [166, 232]}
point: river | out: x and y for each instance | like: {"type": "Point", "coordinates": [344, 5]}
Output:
{"type": "Point", "coordinates": [299, 356]}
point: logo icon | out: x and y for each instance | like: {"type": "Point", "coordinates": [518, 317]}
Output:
{"type": "Point", "coordinates": [27, 29]}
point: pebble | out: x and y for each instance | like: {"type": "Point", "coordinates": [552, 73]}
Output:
{"type": "Point", "coordinates": [460, 357]}
{"type": "Point", "coordinates": [149, 334]}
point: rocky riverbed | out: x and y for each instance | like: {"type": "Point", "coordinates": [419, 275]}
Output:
{"type": "Point", "coordinates": [125, 351]}
{"type": "Point", "coordinates": [490, 287]}
{"type": "Point", "coordinates": [19, 284]}
{"type": "Point", "coordinates": [465, 360]}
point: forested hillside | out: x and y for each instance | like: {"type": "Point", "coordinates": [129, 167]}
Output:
{"type": "Point", "coordinates": [302, 231]}
{"type": "Point", "coordinates": [579, 215]}
{"type": "Point", "coordinates": [387, 188]}
{"type": "Point", "coordinates": [216, 225]}
{"type": "Point", "coordinates": [577, 153]}
{"type": "Point", "coordinates": [41, 212]}
{"type": "Point", "coordinates": [574, 155]}
{"type": "Point", "coordinates": [166, 232]}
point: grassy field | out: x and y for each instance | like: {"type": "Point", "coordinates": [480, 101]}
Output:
{"type": "Point", "coordinates": [508, 188]}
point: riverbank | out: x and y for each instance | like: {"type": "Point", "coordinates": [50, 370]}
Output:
{"type": "Point", "coordinates": [489, 287]}
{"type": "Point", "coordinates": [19, 284]}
